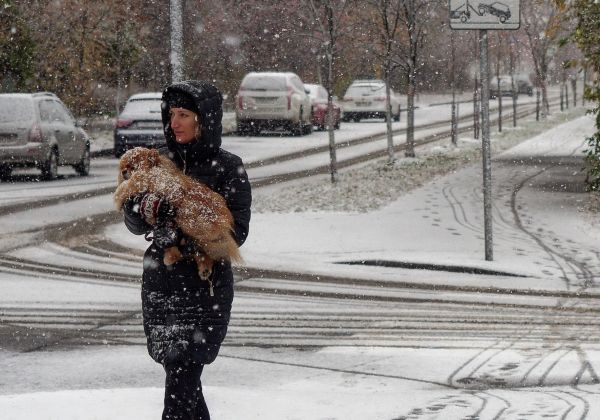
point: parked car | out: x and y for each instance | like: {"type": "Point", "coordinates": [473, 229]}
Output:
{"type": "Point", "coordinates": [272, 100]}
{"type": "Point", "coordinates": [524, 86]}
{"type": "Point", "coordinates": [367, 99]}
{"type": "Point", "coordinates": [319, 105]}
{"type": "Point", "coordinates": [500, 10]}
{"type": "Point", "coordinates": [37, 130]}
{"type": "Point", "coordinates": [140, 123]}
{"type": "Point", "coordinates": [506, 87]}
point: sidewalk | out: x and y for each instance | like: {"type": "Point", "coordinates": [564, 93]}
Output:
{"type": "Point", "coordinates": [540, 230]}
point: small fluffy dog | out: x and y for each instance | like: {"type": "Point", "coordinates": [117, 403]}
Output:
{"type": "Point", "coordinates": [201, 213]}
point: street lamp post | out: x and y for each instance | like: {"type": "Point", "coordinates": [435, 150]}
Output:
{"type": "Point", "coordinates": [176, 15]}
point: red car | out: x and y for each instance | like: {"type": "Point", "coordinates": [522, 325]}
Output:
{"type": "Point", "coordinates": [318, 101]}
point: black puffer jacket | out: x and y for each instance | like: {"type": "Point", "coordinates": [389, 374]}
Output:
{"type": "Point", "coordinates": [182, 321]}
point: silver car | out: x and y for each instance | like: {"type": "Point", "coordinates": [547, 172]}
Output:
{"type": "Point", "coordinates": [37, 130]}
{"type": "Point", "coordinates": [272, 100]}
{"type": "Point", "coordinates": [367, 99]}
{"type": "Point", "coordinates": [140, 123]}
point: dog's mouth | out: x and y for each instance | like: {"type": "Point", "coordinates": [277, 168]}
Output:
{"type": "Point", "coordinates": [125, 174]}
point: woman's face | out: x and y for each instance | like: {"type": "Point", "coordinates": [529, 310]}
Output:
{"type": "Point", "coordinates": [185, 125]}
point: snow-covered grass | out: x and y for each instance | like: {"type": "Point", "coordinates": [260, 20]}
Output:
{"type": "Point", "coordinates": [371, 186]}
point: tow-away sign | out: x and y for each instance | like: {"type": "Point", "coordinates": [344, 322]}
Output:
{"type": "Point", "coordinates": [485, 14]}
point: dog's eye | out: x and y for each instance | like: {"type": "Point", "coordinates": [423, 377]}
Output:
{"type": "Point", "coordinates": [125, 174]}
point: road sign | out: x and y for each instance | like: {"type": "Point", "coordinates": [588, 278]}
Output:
{"type": "Point", "coordinates": [485, 14]}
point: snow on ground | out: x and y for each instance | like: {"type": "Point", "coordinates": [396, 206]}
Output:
{"type": "Point", "coordinates": [375, 212]}
{"type": "Point", "coordinates": [386, 220]}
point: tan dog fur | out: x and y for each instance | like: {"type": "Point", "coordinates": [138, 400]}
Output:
{"type": "Point", "coordinates": [201, 213]}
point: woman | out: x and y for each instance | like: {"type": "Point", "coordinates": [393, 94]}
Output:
{"type": "Point", "coordinates": [186, 318]}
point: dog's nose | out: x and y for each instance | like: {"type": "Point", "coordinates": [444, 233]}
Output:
{"type": "Point", "coordinates": [125, 174]}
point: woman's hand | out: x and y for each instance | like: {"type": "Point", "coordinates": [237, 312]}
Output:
{"type": "Point", "coordinates": [155, 210]}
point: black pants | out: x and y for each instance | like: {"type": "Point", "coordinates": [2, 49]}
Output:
{"type": "Point", "coordinates": [183, 393]}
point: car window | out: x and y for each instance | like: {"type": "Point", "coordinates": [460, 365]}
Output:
{"type": "Point", "coordinates": [66, 114]}
{"type": "Point", "coordinates": [365, 90]}
{"type": "Point", "coordinates": [49, 111]}
{"type": "Point", "coordinates": [263, 82]}
{"type": "Point", "coordinates": [298, 84]}
{"type": "Point", "coordinates": [143, 106]}
{"type": "Point", "coordinates": [15, 109]}
{"type": "Point", "coordinates": [57, 114]}
{"type": "Point", "coordinates": [322, 93]}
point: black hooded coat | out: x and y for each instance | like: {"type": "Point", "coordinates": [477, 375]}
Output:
{"type": "Point", "coordinates": [182, 321]}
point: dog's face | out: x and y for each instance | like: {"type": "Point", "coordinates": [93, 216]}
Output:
{"type": "Point", "coordinates": [139, 158]}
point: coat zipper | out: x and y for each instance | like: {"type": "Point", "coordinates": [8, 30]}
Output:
{"type": "Point", "coordinates": [210, 287]}
{"type": "Point", "coordinates": [184, 158]}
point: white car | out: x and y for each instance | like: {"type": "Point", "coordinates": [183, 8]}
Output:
{"type": "Point", "coordinates": [506, 87]}
{"type": "Point", "coordinates": [272, 100]}
{"type": "Point", "coordinates": [366, 99]}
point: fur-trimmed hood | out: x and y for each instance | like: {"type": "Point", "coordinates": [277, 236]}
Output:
{"type": "Point", "coordinates": [209, 102]}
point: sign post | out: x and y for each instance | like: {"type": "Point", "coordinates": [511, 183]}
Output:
{"type": "Point", "coordinates": [482, 16]}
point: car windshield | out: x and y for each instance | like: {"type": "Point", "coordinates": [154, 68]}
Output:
{"type": "Point", "coordinates": [315, 93]}
{"type": "Point", "coordinates": [365, 90]}
{"type": "Point", "coordinates": [500, 6]}
{"type": "Point", "coordinates": [15, 109]}
{"type": "Point", "coordinates": [143, 106]}
{"type": "Point", "coordinates": [263, 82]}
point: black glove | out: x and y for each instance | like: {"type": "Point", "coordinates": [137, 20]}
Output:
{"type": "Point", "coordinates": [155, 210]}
{"type": "Point", "coordinates": [167, 235]}
{"type": "Point", "coordinates": [188, 247]}
{"type": "Point", "coordinates": [131, 206]}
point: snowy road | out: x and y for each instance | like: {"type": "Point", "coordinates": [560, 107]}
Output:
{"type": "Point", "coordinates": [404, 343]}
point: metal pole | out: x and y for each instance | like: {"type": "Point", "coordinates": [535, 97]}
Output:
{"type": "Point", "coordinates": [485, 139]}
{"type": "Point", "coordinates": [475, 111]}
{"type": "Point", "coordinates": [176, 41]}
{"type": "Point", "coordinates": [453, 87]}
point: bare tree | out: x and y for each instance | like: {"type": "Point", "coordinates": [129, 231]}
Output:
{"type": "Point", "coordinates": [325, 25]}
{"type": "Point", "coordinates": [415, 17]}
{"type": "Point", "coordinates": [541, 23]}
{"type": "Point", "coordinates": [386, 24]}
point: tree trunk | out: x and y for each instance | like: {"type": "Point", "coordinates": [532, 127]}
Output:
{"type": "Point", "coordinates": [545, 106]}
{"type": "Point", "coordinates": [330, 52]}
{"type": "Point", "coordinates": [410, 120]}
{"type": "Point", "coordinates": [388, 116]}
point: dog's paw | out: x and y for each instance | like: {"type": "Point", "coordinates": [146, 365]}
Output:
{"type": "Point", "coordinates": [172, 255]}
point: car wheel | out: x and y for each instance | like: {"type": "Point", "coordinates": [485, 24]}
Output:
{"type": "Point", "coordinates": [308, 128]}
{"type": "Point", "coordinates": [463, 17]}
{"type": "Point", "coordinates": [336, 126]}
{"type": "Point", "coordinates": [481, 10]}
{"type": "Point", "coordinates": [5, 172]}
{"type": "Point", "coordinates": [83, 167]}
{"type": "Point", "coordinates": [242, 128]}
{"type": "Point", "coordinates": [298, 129]}
{"type": "Point", "coordinates": [50, 167]}
{"type": "Point", "coordinates": [502, 19]}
